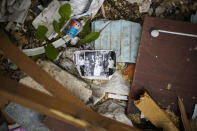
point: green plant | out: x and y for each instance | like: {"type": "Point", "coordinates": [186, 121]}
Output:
{"type": "Point", "coordinates": [65, 13]}
{"type": "Point", "coordinates": [92, 36]}
{"type": "Point", "coordinates": [50, 51]}
{"type": "Point", "coordinates": [86, 29]}
{"type": "Point", "coordinates": [41, 33]}
{"type": "Point", "coordinates": [89, 38]}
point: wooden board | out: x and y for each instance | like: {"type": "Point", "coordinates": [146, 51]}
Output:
{"type": "Point", "coordinates": [61, 110]}
{"type": "Point", "coordinates": [34, 71]}
{"type": "Point", "coordinates": [153, 113]}
{"type": "Point", "coordinates": [56, 125]}
{"type": "Point", "coordinates": [167, 65]}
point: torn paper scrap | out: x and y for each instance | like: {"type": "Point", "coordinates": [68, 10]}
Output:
{"type": "Point", "coordinates": [91, 8]}
{"type": "Point", "coordinates": [118, 97]}
{"type": "Point", "coordinates": [47, 16]}
{"type": "Point", "coordinates": [14, 10]}
{"type": "Point", "coordinates": [121, 36]}
{"type": "Point", "coordinates": [95, 64]}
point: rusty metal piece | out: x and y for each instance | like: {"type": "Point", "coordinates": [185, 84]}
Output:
{"type": "Point", "coordinates": [129, 71]}
{"type": "Point", "coordinates": [167, 65]}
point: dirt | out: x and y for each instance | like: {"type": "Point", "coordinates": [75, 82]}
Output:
{"type": "Point", "coordinates": [174, 9]}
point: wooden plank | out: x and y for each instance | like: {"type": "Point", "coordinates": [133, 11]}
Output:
{"type": "Point", "coordinates": [185, 120]}
{"type": "Point", "coordinates": [57, 108]}
{"type": "Point", "coordinates": [166, 65]}
{"type": "Point", "coordinates": [35, 72]}
{"type": "Point", "coordinates": [153, 113]}
{"type": "Point", "coordinates": [8, 119]}
{"type": "Point", "coordinates": [56, 125]}
{"type": "Point", "coordinates": [3, 103]}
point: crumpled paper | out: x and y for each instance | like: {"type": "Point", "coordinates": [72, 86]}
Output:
{"type": "Point", "coordinates": [14, 10]}
{"type": "Point", "coordinates": [116, 85]}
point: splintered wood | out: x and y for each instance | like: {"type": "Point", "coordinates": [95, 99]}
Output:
{"type": "Point", "coordinates": [189, 125]}
{"type": "Point", "coordinates": [153, 113]}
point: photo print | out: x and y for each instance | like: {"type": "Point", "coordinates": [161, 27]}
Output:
{"type": "Point", "coordinates": [95, 64]}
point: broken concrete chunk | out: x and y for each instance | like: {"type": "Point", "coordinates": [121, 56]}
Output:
{"type": "Point", "coordinates": [28, 81]}
{"type": "Point", "coordinates": [153, 113]}
{"type": "Point", "coordinates": [69, 52]}
{"type": "Point", "coordinates": [78, 87]}
{"type": "Point", "coordinates": [69, 66]}
{"type": "Point", "coordinates": [65, 61]}
{"type": "Point", "coordinates": [114, 110]}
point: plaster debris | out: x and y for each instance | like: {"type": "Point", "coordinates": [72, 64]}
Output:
{"type": "Point", "coordinates": [78, 87]}
{"type": "Point", "coordinates": [114, 110]}
{"type": "Point", "coordinates": [116, 86]}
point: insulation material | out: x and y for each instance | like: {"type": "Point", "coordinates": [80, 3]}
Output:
{"type": "Point", "coordinates": [153, 113]}
{"type": "Point", "coordinates": [120, 36]}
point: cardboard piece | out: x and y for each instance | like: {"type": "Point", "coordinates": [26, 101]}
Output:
{"type": "Point", "coordinates": [153, 113]}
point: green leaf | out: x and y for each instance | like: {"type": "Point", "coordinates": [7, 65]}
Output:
{"type": "Point", "coordinates": [89, 38]}
{"type": "Point", "coordinates": [36, 57]}
{"type": "Point", "coordinates": [65, 11]}
{"type": "Point", "coordinates": [50, 51]}
{"type": "Point", "coordinates": [86, 28]}
{"type": "Point", "coordinates": [61, 22]}
{"type": "Point", "coordinates": [41, 33]}
{"type": "Point", "coordinates": [56, 27]}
